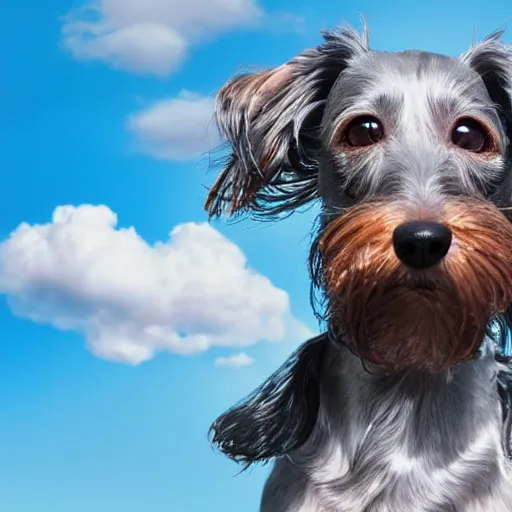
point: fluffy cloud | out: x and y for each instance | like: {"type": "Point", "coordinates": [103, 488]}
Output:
{"type": "Point", "coordinates": [177, 128]}
{"type": "Point", "coordinates": [150, 36]}
{"type": "Point", "coordinates": [132, 300]}
{"type": "Point", "coordinates": [235, 361]}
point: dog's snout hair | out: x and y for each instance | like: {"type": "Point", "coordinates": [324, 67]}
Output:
{"type": "Point", "coordinates": [398, 319]}
{"type": "Point", "coordinates": [395, 407]}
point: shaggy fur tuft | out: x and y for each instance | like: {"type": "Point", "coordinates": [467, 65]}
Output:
{"type": "Point", "coordinates": [431, 320]}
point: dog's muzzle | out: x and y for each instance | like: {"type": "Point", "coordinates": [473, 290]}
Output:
{"type": "Point", "coordinates": [411, 289]}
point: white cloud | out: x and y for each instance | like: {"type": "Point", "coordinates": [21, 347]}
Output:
{"type": "Point", "coordinates": [235, 361]}
{"type": "Point", "coordinates": [177, 128]}
{"type": "Point", "coordinates": [132, 300]}
{"type": "Point", "coordinates": [150, 36]}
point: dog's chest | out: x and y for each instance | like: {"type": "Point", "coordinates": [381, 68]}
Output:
{"type": "Point", "coordinates": [435, 448]}
{"type": "Point", "coordinates": [386, 478]}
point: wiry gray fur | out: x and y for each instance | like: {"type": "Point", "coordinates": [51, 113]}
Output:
{"type": "Point", "coordinates": [358, 440]}
{"type": "Point", "coordinates": [397, 444]}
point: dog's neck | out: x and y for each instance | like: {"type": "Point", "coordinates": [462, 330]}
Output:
{"type": "Point", "coordinates": [429, 439]}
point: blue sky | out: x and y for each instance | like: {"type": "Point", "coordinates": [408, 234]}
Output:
{"type": "Point", "coordinates": [106, 397]}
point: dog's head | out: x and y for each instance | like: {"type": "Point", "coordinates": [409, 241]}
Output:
{"type": "Point", "coordinates": [409, 154]}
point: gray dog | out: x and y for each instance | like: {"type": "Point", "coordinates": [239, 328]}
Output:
{"type": "Point", "coordinates": [403, 404]}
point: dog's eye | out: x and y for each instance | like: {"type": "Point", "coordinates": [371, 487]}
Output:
{"type": "Point", "coordinates": [364, 131]}
{"type": "Point", "coordinates": [470, 135]}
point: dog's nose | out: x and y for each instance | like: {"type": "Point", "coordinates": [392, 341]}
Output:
{"type": "Point", "coordinates": [421, 244]}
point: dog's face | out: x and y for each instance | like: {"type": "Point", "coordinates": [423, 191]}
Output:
{"type": "Point", "coordinates": [409, 155]}
{"type": "Point", "coordinates": [412, 125]}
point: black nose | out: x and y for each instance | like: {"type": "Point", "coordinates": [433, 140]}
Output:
{"type": "Point", "coordinates": [421, 244]}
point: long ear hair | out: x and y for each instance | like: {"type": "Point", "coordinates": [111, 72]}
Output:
{"type": "Point", "coordinates": [270, 120]}
{"type": "Point", "coordinates": [278, 416]}
{"type": "Point", "coordinates": [492, 60]}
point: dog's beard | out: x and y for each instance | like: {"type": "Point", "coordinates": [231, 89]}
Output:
{"type": "Point", "coordinates": [397, 318]}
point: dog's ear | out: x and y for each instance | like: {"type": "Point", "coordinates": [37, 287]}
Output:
{"type": "Point", "coordinates": [278, 416]}
{"type": "Point", "coordinates": [270, 120]}
{"type": "Point", "coordinates": [492, 60]}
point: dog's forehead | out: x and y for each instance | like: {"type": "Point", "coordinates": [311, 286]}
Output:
{"type": "Point", "coordinates": [390, 78]}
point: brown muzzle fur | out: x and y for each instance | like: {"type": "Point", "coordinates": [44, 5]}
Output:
{"type": "Point", "coordinates": [398, 318]}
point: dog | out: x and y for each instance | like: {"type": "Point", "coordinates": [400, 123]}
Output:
{"type": "Point", "coordinates": [403, 403]}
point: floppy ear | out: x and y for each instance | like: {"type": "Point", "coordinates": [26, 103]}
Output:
{"type": "Point", "coordinates": [270, 120]}
{"type": "Point", "coordinates": [278, 416]}
{"type": "Point", "coordinates": [492, 60]}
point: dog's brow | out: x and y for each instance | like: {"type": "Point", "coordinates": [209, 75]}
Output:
{"type": "Point", "coordinates": [388, 103]}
